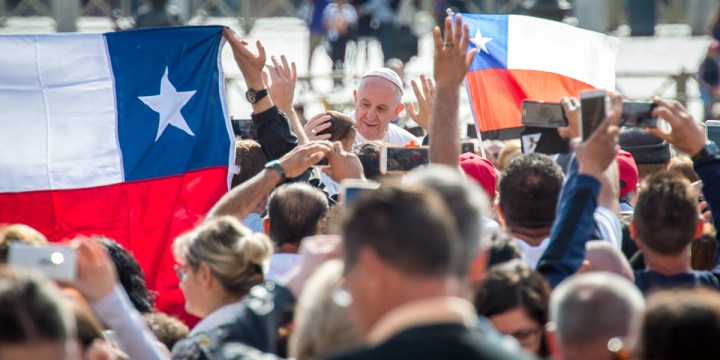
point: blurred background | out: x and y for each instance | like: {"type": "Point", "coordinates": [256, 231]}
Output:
{"type": "Point", "coordinates": [663, 42]}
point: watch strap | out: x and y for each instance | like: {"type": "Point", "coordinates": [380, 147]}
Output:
{"type": "Point", "coordinates": [259, 94]}
{"type": "Point", "coordinates": [275, 165]}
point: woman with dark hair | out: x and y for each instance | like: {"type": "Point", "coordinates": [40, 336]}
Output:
{"type": "Point", "coordinates": [515, 299]}
{"type": "Point", "coordinates": [131, 276]}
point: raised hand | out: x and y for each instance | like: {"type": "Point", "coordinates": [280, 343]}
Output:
{"type": "Point", "coordinates": [283, 77]}
{"type": "Point", "coordinates": [685, 134]}
{"type": "Point", "coordinates": [599, 151]}
{"type": "Point", "coordinates": [425, 99]}
{"type": "Point", "coordinates": [251, 65]}
{"type": "Point", "coordinates": [452, 60]}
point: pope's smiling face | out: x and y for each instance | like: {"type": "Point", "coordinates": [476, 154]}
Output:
{"type": "Point", "coordinates": [377, 103]}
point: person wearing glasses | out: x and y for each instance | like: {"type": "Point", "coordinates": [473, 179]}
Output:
{"type": "Point", "coordinates": [515, 300]}
{"type": "Point", "coordinates": [218, 263]}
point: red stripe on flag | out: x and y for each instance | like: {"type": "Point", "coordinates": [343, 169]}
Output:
{"type": "Point", "coordinates": [144, 216]}
{"type": "Point", "coordinates": [497, 94]}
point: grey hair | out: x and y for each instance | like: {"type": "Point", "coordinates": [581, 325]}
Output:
{"type": "Point", "coordinates": [595, 306]}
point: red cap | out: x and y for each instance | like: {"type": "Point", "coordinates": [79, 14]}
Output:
{"type": "Point", "coordinates": [481, 170]}
{"type": "Point", "coordinates": [628, 172]}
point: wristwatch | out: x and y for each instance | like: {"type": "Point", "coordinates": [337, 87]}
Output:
{"type": "Point", "coordinates": [254, 96]}
{"type": "Point", "coordinates": [275, 165]}
{"type": "Point", "coordinates": [709, 149]}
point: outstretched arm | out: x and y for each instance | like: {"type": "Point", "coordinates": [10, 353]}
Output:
{"type": "Point", "coordinates": [451, 61]}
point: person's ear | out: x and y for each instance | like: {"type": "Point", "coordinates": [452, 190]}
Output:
{"type": "Point", "coordinates": [699, 228]}
{"type": "Point", "coordinates": [355, 96]}
{"type": "Point", "coordinates": [399, 109]}
{"type": "Point", "coordinates": [205, 275]}
{"type": "Point", "coordinates": [552, 341]}
{"type": "Point", "coordinates": [266, 225]}
{"type": "Point", "coordinates": [501, 216]}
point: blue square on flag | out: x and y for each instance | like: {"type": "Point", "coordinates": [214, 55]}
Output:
{"type": "Point", "coordinates": [169, 103]}
{"type": "Point", "coordinates": [488, 34]}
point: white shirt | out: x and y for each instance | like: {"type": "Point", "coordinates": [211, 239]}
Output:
{"type": "Point", "coordinates": [532, 254]}
{"type": "Point", "coordinates": [394, 135]}
{"type": "Point", "coordinates": [254, 222]}
{"type": "Point", "coordinates": [280, 265]}
{"type": "Point", "coordinates": [609, 226]}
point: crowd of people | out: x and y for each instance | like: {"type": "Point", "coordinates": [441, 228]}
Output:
{"type": "Point", "coordinates": [610, 254]}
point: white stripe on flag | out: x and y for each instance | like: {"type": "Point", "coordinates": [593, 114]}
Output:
{"type": "Point", "coordinates": [537, 44]}
{"type": "Point", "coordinates": [57, 113]}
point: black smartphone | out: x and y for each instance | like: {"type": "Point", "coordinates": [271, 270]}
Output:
{"type": "Point", "coordinates": [323, 162]}
{"type": "Point", "coordinates": [593, 109]}
{"type": "Point", "coordinates": [543, 114]}
{"type": "Point", "coordinates": [416, 131]}
{"type": "Point", "coordinates": [401, 159]}
{"type": "Point", "coordinates": [467, 147]}
{"type": "Point", "coordinates": [245, 128]}
{"type": "Point", "coordinates": [471, 131]}
{"type": "Point", "coordinates": [638, 114]}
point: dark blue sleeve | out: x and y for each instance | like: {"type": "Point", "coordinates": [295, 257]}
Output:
{"type": "Point", "coordinates": [573, 227]}
{"type": "Point", "coordinates": [274, 133]}
{"type": "Point", "coordinates": [708, 169]}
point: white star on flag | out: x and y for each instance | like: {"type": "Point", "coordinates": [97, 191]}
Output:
{"type": "Point", "coordinates": [168, 104]}
{"type": "Point", "coordinates": [480, 41]}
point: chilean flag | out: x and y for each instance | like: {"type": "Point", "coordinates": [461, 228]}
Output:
{"type": "Point", "coordinates": [521, 57]}
{"type": "Point", "coordinates": [124, 135]}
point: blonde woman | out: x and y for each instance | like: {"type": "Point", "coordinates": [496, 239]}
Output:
{"type": "Point", "coordinates": [218, 263]}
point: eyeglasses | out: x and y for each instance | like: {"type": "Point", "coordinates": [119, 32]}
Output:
{"type": "Point", "coordinates": [180, 271]}
{"type": "Point", "coordinates": [527, 336]}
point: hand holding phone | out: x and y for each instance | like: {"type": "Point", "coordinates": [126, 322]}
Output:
{"type": "Point", "coordinates": [55, 261]}
{"type": "Point", "coordinates": [594, 106]}
{"type": "Point", "coordinates": [638, 114]}
{"type": "Point", "coordinates": [400, 160]}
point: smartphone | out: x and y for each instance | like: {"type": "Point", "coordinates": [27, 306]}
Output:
{"type": "Point", "coordinates": [712, 131]}
{"type": "Point", "coordinates": [245, 128]}
{"type": "Point", "coordinates": [400, 160]}
{"type": "Point", "coordinates": [416, 131]}
{"type": "Point", "coordinates": [350, 189]}
{"type": "Point", "coordinates": [471, 131]}
{"type": "Point", "coordinates": [467, 147]}
{"type": "Point", "coordinates": [324, 162]}
{"type": "Point", "coordinates": [638, 114]}
{"type": "Point", "coordinates": [543, 114]}
{"type": "Point", "coordinates": [594, 105]}
{"type": "Point", "coordinates": [57, 262]}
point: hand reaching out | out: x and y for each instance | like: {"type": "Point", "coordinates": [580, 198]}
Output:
{"type": "Point", "coordinates": [452, 60]}
{"type": "Point", "coordinates": [250, 65]}
{"type": "Point", "coordinates": [317, 124]}
{"type": "Point", "coordinates": [283, 77]}
{"type": "Point", "coordinates": [425, 99]}
{"type": "Point", "coordinates": [686, 134]}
